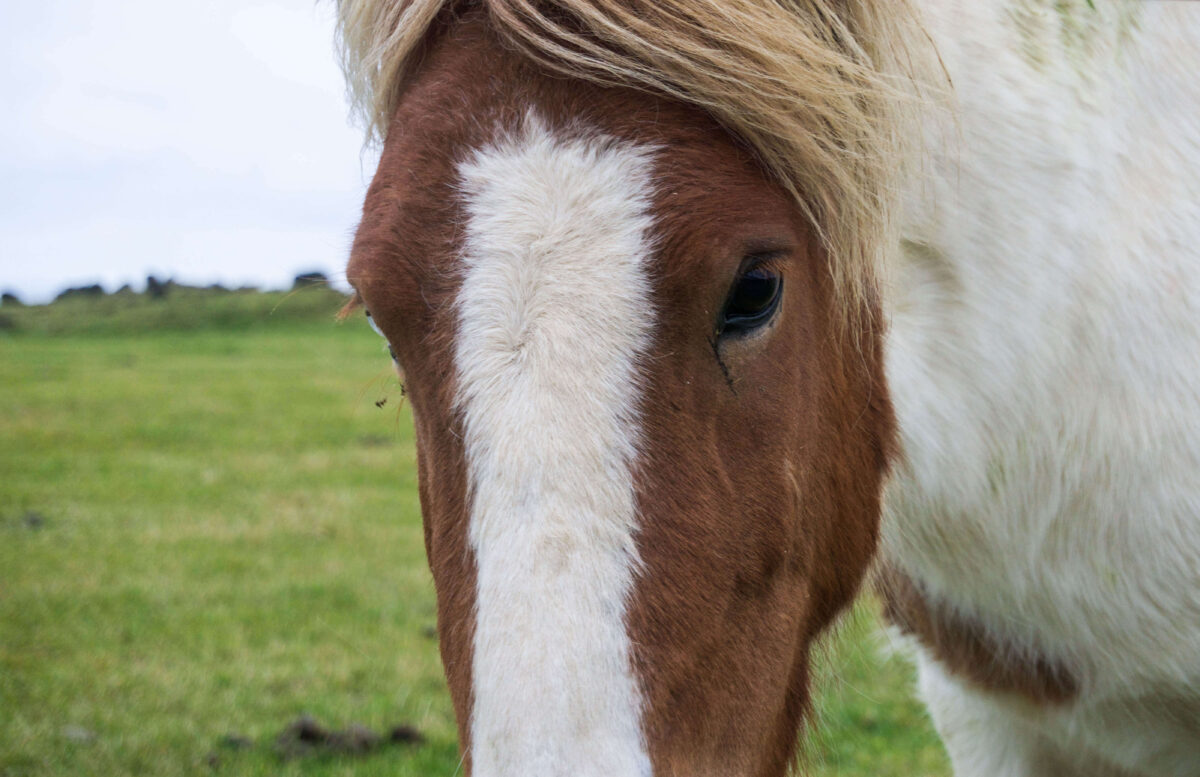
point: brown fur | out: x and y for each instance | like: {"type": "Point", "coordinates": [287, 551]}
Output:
{"type": "Point", "coordinates": [759, 499]}
{"type": "Point", "coordinates": [966, 648]}
{"type": "Point", "coordinates": [762, 459]}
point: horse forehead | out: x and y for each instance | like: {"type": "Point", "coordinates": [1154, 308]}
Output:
{"type": "Point", "coordinates": [555, 189]}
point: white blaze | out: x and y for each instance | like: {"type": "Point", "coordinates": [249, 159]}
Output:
{"type": "Point", "coordinates": [554, 312]}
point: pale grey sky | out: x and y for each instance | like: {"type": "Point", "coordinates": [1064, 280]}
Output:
{"type": "Point", "coordinates": [202, 141]}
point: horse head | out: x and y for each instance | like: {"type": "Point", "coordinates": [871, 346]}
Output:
{"type": "Point", "coordinates": [652, 424]}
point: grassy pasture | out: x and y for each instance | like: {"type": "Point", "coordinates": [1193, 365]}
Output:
{"type": "Point", "coordinates": [208, 528]}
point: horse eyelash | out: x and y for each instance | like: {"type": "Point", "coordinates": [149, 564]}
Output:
{"type": "Point", "coordinates": [768, 260]}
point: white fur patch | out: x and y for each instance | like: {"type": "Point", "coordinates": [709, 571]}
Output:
{"type": "Point", "coordinates": [554, 311]}
{"type": "Point", "coordinates": [1043, 361]}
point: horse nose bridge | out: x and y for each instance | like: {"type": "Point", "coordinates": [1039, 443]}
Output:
{"type": "Point", "coordinates": [552, 522]}
{"type": "Point", "coordinates": [554, 690]}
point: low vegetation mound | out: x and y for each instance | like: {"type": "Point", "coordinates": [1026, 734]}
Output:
{"type": "Point", "coordinates": [170, 306]}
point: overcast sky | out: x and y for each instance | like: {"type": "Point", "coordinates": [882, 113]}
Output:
{"type": "Point", "coordinates": [207, 142]}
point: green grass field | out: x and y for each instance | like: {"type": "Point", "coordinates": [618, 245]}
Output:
{"type": "Point", "coordinates": [208, 528]}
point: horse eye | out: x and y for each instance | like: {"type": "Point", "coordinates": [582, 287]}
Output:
{"type": "Point", "coordinates": [378, 331]}
{"type": "Point", "coordinates": [752, 301]}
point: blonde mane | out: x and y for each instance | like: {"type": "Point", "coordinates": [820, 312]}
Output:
{"type": "Point", "coordinates": [811, 86]}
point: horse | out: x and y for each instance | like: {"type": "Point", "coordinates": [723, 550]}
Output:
{"type": "Point", "coordinates": [637, 261]}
